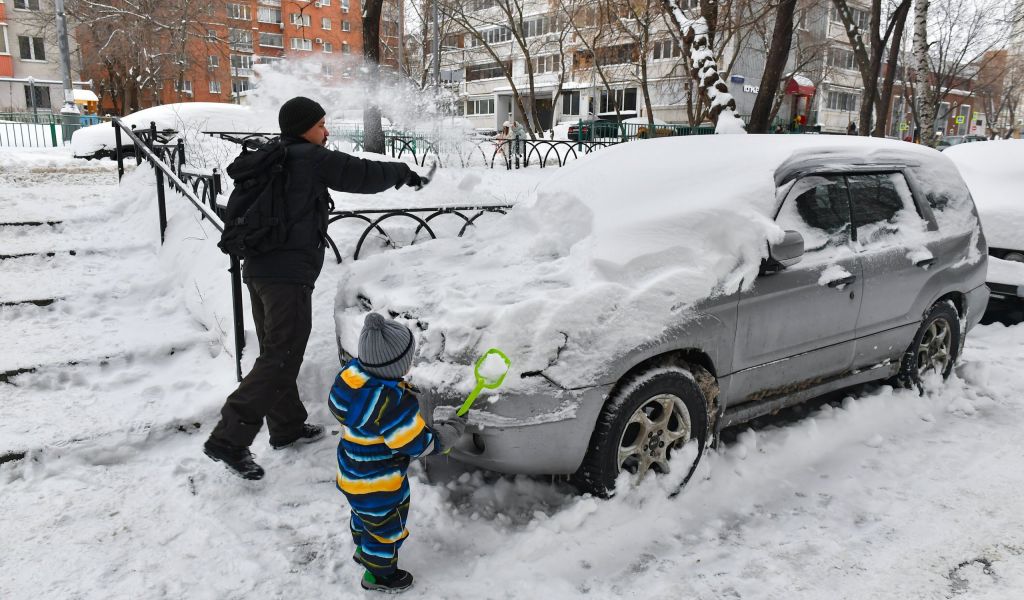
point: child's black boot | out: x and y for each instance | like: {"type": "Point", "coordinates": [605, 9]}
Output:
{"type": "Point", "coordinates": [396, 583]}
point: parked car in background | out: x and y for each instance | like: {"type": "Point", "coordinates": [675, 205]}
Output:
{"type": "Point", "coordinates": [651, 294]}
{"type": "Point", "coordinates": [994, 172]}
{"type": "Point", "coordinates": [956, 140]}
{"type": "Point", "coordinates": [98, 141]}
{"type": "Point", "coordinates": [594, 129]}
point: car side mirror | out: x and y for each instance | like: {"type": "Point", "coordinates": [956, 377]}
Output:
{"type": "Point", "coordinates": [784, 253]}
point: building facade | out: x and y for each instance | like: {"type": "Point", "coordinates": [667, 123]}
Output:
{"type": "Point", "coordinates": [31, 78]}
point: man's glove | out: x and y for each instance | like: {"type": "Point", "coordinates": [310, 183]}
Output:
{"type": "Point", "coordinates": [414, 180]}
{"type": "Point", "coordinates": [449, 431]}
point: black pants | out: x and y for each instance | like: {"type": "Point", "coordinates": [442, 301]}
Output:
{"type": "Point", "coordinates": [284, 317]}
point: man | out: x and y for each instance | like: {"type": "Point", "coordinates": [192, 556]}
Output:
{"type": "Point", "coordinates": [281, 284]}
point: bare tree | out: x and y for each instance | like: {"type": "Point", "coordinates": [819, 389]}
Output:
{"type": "Point", "coordinates": [1000, 90]}
{"type": "Point", "coordinates": [775, 63]}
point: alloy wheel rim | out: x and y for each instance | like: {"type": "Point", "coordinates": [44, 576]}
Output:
{"type": "Point", "coordinates": [655, 429]}
{"type": "Point", "coordinates": [935, 350]}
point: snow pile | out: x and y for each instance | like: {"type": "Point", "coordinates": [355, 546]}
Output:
{"type": "Point", "coordinates": [609, 253]}
{"type": "Point", "coordinates": [994, 172]}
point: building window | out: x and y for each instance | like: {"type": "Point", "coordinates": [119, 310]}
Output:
{"type": "Point", "coordinates": [616, 55]}
{"type": "Point", "coordinates": [32, 48]}
{"type": "Point", "coordinates": [301, 44]}
{"type": "Point", "coordinates": [328, 47]}
{"type": "Point", "coordinates": [325, 23]}
{"type": "Point", "coordinates": [487, 71]}
{"type": "Point", "coordinates": [570, 103]}
{"type": "Point", "coordinates": [345, 49]}
{"type": "Point", "coordinates": [241, 65]}
{"type": "Point", "coordinates": [325, 2]}
{"type": "Point", "coordinates": [239, 11]}
{"type": "Point", "coordinates": [211, 35]}
{"type": "Point", "coordinates": [185, 87]}
{"type": "Point", "coordinates": [540, 26]}
{"type": "Point", "coordinates": [480, 107]}
{"type": "Point", "coordinates": [842, 58]}
{"type": "Point", "coordinates": [271, 40]}
{"type": "Point", "coordinates": [547, 64]}
{"type": "Point", "coordinates": [214, 87]}
{"type": "Point", "coordinates": [214, 62]}
{"type": "Point", "coordinates": [666, 49]}
{"type": "Point", "coordinates": [624, 99]}
{"type": "Point", "coordinates": [494, 35]}
{"type": "Point", "coordinates": [240, 39]}
{"type": "Point", "coordinates": [41, 99]}
{"type": "Point", "coordinates": [344, 6]}
{"type": "Point", "coordinates": [861, 18]}
{"type": "Point", "coordinates": [3, 38]}
{"type": "Point", "coordinates": [845, 101]}
{"type": "Point", "coordinates": [27, 5]}
{"type": "Point", "coordinates": [346, 26]}
{"type": "Point", "coordinates": [301, 20]}
{"type": "Point", "coordinates": [268, 14]}
{"type": "Point", "coordinates": [240, 85]}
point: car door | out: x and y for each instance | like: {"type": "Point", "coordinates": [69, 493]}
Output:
{"type": "Point", "coordinates": [897, 257]}
{"type": "Point", "coordinates": [796, 327]}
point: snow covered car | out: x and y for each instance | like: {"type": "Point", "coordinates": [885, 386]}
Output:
{"type": "Point", "coordinates": [651, 294]}
{"type": "Point", "coordinates": [98, 141]}
{"type": "Point", "coordinates": [994, 172]}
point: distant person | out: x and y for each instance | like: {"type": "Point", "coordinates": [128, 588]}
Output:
{"type": "Point", "coordinates": [382, 430]}
{"type": "Point", "coordinates": [519, 134]}
{"type": "Point", "coordinates": [851, 129]}
{"type": "Point", "coordinates": [280, 283]}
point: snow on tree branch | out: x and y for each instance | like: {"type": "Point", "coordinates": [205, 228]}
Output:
{"type": "Point", "coordinates": [704, 69]}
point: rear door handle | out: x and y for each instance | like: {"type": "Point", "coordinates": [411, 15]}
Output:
{"type": "Point", "coordinates": [844, 281]}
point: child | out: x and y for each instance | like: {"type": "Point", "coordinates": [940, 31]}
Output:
{"type": "Point", "coordinates": [382, 430]}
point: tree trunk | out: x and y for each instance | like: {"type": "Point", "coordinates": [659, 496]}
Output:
{"type": "Point", "coordinates": [775, 63]}
{"type": "Point", "coordinates": [923, 93]}
{"type": "Point", "coordinates": [895, 44]}
{"type": "Point", "coordinates": [373, 134]}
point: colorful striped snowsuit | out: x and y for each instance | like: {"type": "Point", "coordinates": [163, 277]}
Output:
{"type": "Point", "coordinates": [382, 430]}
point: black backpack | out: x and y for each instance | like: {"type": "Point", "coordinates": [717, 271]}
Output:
{"type": "Point", "coordinates": [255, 219]}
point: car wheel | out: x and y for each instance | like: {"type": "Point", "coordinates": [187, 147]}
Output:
{"type": "Point", "coordinates": [935, 347]}
{"type": "Point", "coordinates": [1014, 256]}
{"type": "Point", "coordinates": [649, 417]}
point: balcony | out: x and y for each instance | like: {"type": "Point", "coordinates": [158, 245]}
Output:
{"type": "Point", "coordinates": [241, 72]}
{"type": "Point", "coordinates": [241, 46]}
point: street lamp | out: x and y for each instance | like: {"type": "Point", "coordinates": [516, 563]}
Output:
{"type": "Point", "coordinates": [70, 116]}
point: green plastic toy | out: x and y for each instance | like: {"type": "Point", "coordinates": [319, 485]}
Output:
{"type": "Point", "coordinates": [482, 380]}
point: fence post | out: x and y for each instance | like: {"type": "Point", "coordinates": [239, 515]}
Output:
{"type": "Point", "coordinates": [236, 308]}
{"type": "Point", "coordinates": [161, 201]}
{"type": "Point", "coordinates": [117, 150]}
{"type": "Point", "coordinates": [53, 134]}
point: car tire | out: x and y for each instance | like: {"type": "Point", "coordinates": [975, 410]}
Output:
{"type": "Point", "coordinates": [636, 431]}
{"type": "Point", "coordinates": [936, 346]}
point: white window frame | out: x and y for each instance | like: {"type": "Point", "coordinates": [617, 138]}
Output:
{"type": "Point", "coordinates": [325, 23]}
{"type": "Point", "coordinates": [301, 44]}
{"type": "Point", "coordinates": [301, 20]}
{"type": "Point", "coordinates": [215, 87]}
{"type": "Point", "coordinates": [345, 25]}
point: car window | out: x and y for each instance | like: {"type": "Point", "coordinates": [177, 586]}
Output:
{"type": "Point", "coordinates": [818, 207]}
{"type": "Point", "coordinates": [882, 207]}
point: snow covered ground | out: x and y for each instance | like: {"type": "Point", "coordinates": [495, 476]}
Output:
{"type": "Point", "coordinates": [881, 494]}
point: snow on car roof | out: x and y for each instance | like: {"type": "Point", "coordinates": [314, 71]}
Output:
{"type": "Point", "coordinates": [994, 172]}
{"type": "Point", "coordinates": [610, 252]}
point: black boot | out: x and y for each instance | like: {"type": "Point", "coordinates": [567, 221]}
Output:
{"type": "Point", "coordinates": [236, 458]}
{"type": "Point", "coordinates": [309, 433]}
{"type": "Point", "coordinates": [396, 583]}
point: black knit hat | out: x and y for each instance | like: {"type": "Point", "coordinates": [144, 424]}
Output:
{"type": "Point", "coordinates": [298, 115]}
{"type": "Point", "coordinates": [385, 347]}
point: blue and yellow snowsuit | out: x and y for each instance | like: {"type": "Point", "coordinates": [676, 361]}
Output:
{"type": "Point", "coordinates": [382, 430]}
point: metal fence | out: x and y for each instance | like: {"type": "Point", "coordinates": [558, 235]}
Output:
{"type": "Point", "coordinates": [41, 129]}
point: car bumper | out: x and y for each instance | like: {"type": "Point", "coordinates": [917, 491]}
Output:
{"type": "Point", "coordinates": [543, 432]}
{"type": "Point", "coordinates": [976, 302]}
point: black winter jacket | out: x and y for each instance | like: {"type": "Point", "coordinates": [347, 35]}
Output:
{"type": "Point", "coordinates": [311, 169]}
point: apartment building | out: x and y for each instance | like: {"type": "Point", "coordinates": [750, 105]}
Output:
{"type": "Point", "coordinates": [604, 76]}
{"type": "Point", "coordinates": [31, 79]}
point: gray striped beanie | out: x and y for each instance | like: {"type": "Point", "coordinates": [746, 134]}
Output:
{"type": "Point", "coordinates": [385, 347]}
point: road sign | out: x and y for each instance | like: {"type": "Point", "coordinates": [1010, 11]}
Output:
{"type": "Point", "coordinates": [959, 120]}
{"type": "Point", "coordinates": [904, 126]}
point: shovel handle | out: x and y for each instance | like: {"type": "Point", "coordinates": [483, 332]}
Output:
{"type": "Point", "coordinates": [469, 400]}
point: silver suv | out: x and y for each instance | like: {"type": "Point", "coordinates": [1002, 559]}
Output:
{"type": "Point", "coordinates": [879, 274]}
